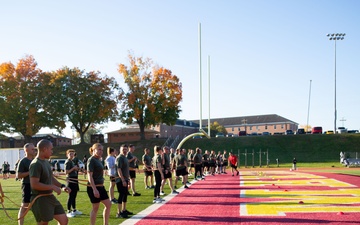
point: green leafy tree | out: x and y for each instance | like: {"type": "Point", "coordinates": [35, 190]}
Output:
{"type": "Point", "coordinates": [83, 98]}
{"type": "Point", "coordinates": [22, 107]}
{"type": "Point", "coordinates": [153, 95]}
{"type": "Point", "coordinates": [217, 128]}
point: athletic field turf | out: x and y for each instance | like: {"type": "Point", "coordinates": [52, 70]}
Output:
{"type": "Point", "coordinates": [261, 197]}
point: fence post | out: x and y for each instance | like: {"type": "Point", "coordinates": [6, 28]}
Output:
{"type": "Point", "coordinates": [245, 158]}
{"type": "Point", "coordinates": [260, 158]}
{"type": "Point", "coordinates": [253, 158]}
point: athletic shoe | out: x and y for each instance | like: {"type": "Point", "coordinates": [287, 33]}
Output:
{"type": "Point", "coordinates": [70, 214]}
{"type": "Point", "coordinates": [175, 187]}
{"type": "Point", "coordinates": [77, 212]}
{"type": "Point", "coordinates": [136, 194]}
{"type": "Point", "coordinates": [128, 212]}
{"type": "Point", "coordinates": [237, 174]}
{"type": "Point", "coordinates": [232, 175]}
{"type": "Point", "coordinates": [147, 187]}
{"type": "Point", "coordinates": [162, 193]}
{"type": "Point", "coordinates": [174, 192]}
{"type": "Point", "coordinates": [152, 186]}
{"type": "Point", "coordinates": [114, 201]}
{"type": "Point", "coordinates": [157, 200]}
{"type": "Point", "coordinates": [161, 199]}
{"type": "Point", "coordinates": [186, 186]}
{"type": "Point", "coordinates": [121, 215]}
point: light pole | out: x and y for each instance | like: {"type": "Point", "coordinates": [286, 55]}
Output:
{"type": "Point", "coordinates": [335, 37]}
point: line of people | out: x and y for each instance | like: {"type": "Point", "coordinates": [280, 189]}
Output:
{"type": "Point", "coordinates": [38, 182]}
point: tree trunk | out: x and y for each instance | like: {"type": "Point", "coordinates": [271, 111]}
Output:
{"type": "Point", "coordinates": [82, 140]}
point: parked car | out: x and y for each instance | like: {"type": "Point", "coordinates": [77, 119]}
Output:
{"type": "Point", "coordinates": [341, 130]}
{"type": "Point", "coordinates": [219, 135]}
{"type": "Point", "coordinates": [62, 162]}
{"type": "Point", "coordinates": [289, 132]}
{"type": "Point", "coordinates": [230, 135]}
{"type": "Point", "coordinates": [329, 132]}
{"type": "Point", "coordinates": [301, 131]}
{"type": "Point", "coordinates": [265, 133]}
{"type": "Point", "coordinates": [242, 133]}
{"type": "Point", "coordinates": [316, 130]}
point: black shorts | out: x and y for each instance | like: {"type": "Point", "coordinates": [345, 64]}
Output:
{"type": "Point", "coordinates": [103, 194]}
{"type": "Point", "coordinates": [211, 164]}
{"type": "Point", "coordinates": [167, 175]}
{"type": "Point", "coordinates": [132, 174]}
{"type": "Point", "coordinates": [192, 165]}
{"type": "Point", "coordinates": [181, 172]}
{"type": "Point", "coordinates": [233, 166]}
{"type": "Point", "coordinates": [206, 164]}
{"type": "Point", "coordinates": [26, 193]}
{"type": "Point", "coordinates": [148, 173]}
{"type": "Point", "coordinates": [225, 163]}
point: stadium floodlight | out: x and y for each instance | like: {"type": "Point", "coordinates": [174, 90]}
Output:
{"type": "Point", "coordinates": [334, 37]}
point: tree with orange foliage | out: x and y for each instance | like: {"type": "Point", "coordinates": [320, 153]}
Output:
{"type": "Point", "coordinates": [21, 99]}
{"type": "Point", "coordinates": [153, 95]}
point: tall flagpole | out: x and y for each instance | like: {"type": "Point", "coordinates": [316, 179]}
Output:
{"type": "Point", "coordinates": [209, 94]}
{"type": "Point", "coordinates": [200, 78]}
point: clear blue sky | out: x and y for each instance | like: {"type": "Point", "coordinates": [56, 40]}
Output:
{"type": "Point", "coordinates": [263, 52]}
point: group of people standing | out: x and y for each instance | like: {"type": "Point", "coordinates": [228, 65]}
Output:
{"type": "Point", "coordinates": [38, 182]}
{"type": "Point", "coordinates": [5, 169]}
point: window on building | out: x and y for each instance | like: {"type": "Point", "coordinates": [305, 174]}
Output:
{"type": "Point", "coordinates": [265, 127]}
{"type": "Point", "coordinates": [274, 127]}
{"type": "Point", "coordinates": [257, 127]}
{"type": "Point", "coordinates": [232, 129]}
{"type": "Point", "coordinates": [238, 128]}
{"type": "Point", "coordinates": [282, 126]}
{"type": "Point", "coordinates": [250, 127]}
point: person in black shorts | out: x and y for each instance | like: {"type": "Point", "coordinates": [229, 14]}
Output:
{"type": "Point", "coordinates": [212, 162]}
{"type": "Point", "coordinates": [180, 166]}
{"type": "Point", "coordinates": [132, 167]}
{"type": "Point", "coordinates": [167, 171]}
{"type": "Point", "coordinates": [146, 160]}
{"type": "Point", "coordinates": [225, 164]}
{"type": "Point", "coordinates": [96, 190]}
{"type": "Point", "coordinates": [43, 183]}
{"type": "Point", "coordinates": [205, 159]}
{"type": "Point", "coordinates": [22, 173]}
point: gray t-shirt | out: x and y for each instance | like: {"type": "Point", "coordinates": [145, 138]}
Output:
{"type": "Point", "coordinates": [147, 160]}
{"type": "Point", "coordinates": [122, 163]}
{"type": "Point", "coordinates": [130, 156]}
{"type": "Point", "coordinates": [69, 164]}
{"type": "Point", "coordinates": [23, 167]}
{"type": "Point", "coordinates": [95, 166]}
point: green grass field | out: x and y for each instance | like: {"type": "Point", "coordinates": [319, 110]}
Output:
{"type": "Point", "coordinates": [12, 189]}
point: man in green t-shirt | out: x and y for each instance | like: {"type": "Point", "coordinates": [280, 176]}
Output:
{"type": "Point", "coordinates": [42, 182]}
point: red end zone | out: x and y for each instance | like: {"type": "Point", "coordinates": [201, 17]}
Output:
{"type": "Point", "coordinates": [267, 197]}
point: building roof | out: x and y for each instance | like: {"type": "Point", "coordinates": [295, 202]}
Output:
{"type": "Point", "coordinates": [131, 130]}
{"type": "Point", "coordinates": [248, 120]}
